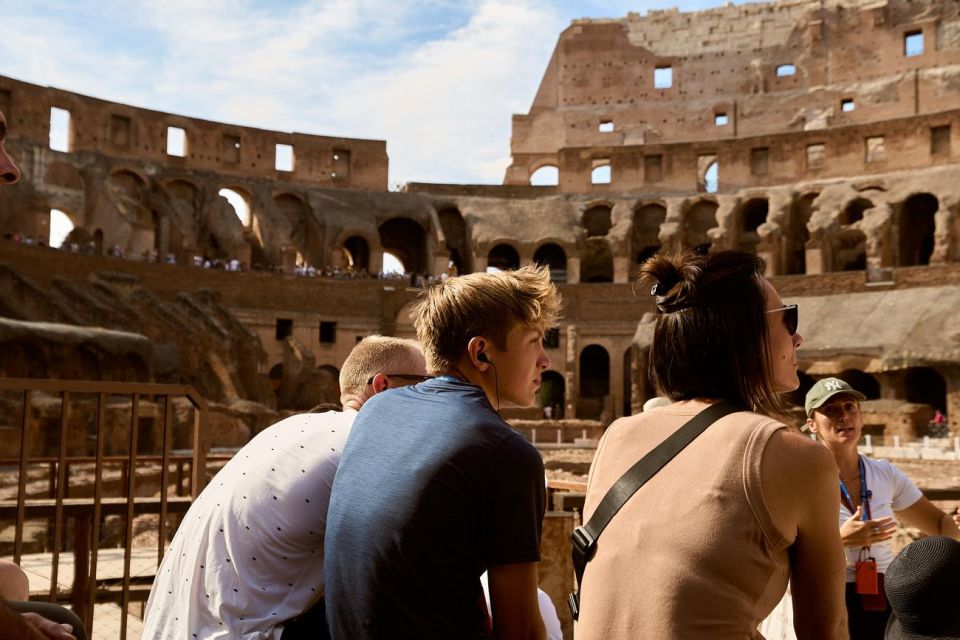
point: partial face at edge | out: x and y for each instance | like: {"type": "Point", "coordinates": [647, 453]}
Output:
{"type": "Point", "coordinates": [781, 346]}
{"type": "Point", "coordinates": [9, 172]}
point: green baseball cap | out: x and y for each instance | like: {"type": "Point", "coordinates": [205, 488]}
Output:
{"type": "Point", "coordinates": [825, 389]}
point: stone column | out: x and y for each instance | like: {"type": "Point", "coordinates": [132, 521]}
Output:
{"type": "Point", "coordinates": [571, 388]}
{"type": "Point", "coordinates": [621, 269]}
{"type": "Point", "coordinates": [573, 270]}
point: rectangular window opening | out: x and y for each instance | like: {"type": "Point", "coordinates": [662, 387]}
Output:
{"type": "Point", "coordinates": [284, 157]}
{"type": "Point", "coordinates": [940, 140]}
{"type": "Point", "coordinates": [230, 148]}
{"type": "Point", "coordinates": [653, 168]}
{"type": "Point", "coordinates": [876, 149]}
{"type": "Point", "coordinates": [606, 126]}
{"type": "Point", "coordinates": [720, 119]}
{"type": "Point", "coordinates": [815, 154]}
{"type": "Point", "coordinates": [60, 129]}
{"type": "Point", "coordinates": [284, 328]}
{"type": "Point", "coordinates": [341, 164]}
{"type": "Point", "coordinates": [913, 43]}
{"type": "Point", "coordinates": [601, 171]}
{"type": "Point", "coordinates": [120, 130]}
{"type": "Point", "coordinates": [328, 332]}
{"type": "Point", "coordinates": [786, 70]}
{"type": "Point", "coordinates": [847, 105]}
{"type": "Point", "coordinates": [663, 77]}
{"type": "Point", "coordinates": [760, 161]}
{"type": "Point", "coordinates": [176, 142]}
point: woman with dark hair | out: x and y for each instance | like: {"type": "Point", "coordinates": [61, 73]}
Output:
{"type": "Point", "coordinates": [705, 548]}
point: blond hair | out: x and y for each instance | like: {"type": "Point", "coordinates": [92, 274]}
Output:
{"type": "Point", "coordinates": [452, 312]}
{"type": "Point", "coordinates": [373, 355]}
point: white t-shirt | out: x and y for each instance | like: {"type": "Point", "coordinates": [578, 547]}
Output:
{"type": "Point", "coordinates": [249, 553]}
{"type": "Point", "coordinates": [891, 491]}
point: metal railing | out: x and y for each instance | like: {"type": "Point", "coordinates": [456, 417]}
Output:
{"type": "Point", "coordinates": [87, 514]}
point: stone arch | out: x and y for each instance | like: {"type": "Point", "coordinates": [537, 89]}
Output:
{"type": "Point", "coordinates": [915, 227]}
{"type": "Point", "coordinates": [356, 251]}
{"type": "Point", "coordinates": [597, 220]}
{"type": "Point", "coordinates": [63, 222]}
{"type": "Point", "coordinates": [241, 202]}
{"type": "Point", "coordinates": [304, 235]}
{"type": "Point", "coordinates": [797, 234]}
{"type": "Point", "coordinates": [862, 382]}
{"type": "Point", "coordinates": [553, 256]}
{"type": "Point", "coordinates": [503, 257]}
{"type": "Point", "coordinates": [407, 240]}
{"type": "Point", "coordinates": [275, 375]}
{"type": "Point", "coordinates": [457, 238]}
{"type": "Point", "coordinates": [698, 219]}
{"type": "Point", "coordinates": [853, 211]}
{"type": "Point", "coordinates": [751, 215]}
{"type": "Point", "coordinates": [596, 263]}
{"type": "Point", "coordinates": [644, 238]}
{"type": "Point", "coordinates": [552, 392]}
{"type": "Point", "coordinates": [594, 381]}
{"type": "Point", "coordinates": [545, 175]}
{"type": "Point", "coordinates": [925, 385]}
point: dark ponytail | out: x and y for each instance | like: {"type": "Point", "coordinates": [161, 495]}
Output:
{"type": "Point", "coordinates": [710, 340]}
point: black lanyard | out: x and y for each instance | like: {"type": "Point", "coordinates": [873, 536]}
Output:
{"type": "Point", "coordinates": [864, 493]}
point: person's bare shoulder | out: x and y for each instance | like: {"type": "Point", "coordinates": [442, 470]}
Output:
{"type": "Point", "coordinates": [794, 471]}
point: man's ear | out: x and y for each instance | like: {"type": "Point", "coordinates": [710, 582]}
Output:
{"type": "Point", "coordinates": [810, 426]}
{"type": "Point", "coordinates": [380, 383]}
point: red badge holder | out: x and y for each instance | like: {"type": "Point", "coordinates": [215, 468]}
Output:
{"type": "Point", "coordinates": [870, 583]}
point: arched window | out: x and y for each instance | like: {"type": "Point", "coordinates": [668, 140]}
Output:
{"type": "Point", "coordinates": [925, 385]}
{"type": "Point", "coordinates": [502, 257]}
{"type": "Point", "coordinates": [594, 381]}
{"type": "Point", "coordinates": [698, 220]}
{"type": "Point", "coordinates": [240, 204]}
{"type": "Point", "coordinates": [752, 215]}
{"type": "Point", "coordinates": [552, 390]}
{"type": "Point", "coordinates": [596, 265]}
{"type": "Point", "coordinates": [862, 382]}
{"type": "Point", "coordinates": [597, 220]}
{"type": "Point", "coordinates": [917, 225]}
{"type": "Point", "coordinates": [407, 241]}
{"type": "Point", "coordinates": [554, 257]}
{"type": "Point", "coordinates": [545, 176]}
{"type": "Point", "coordinates": [60, 227]}
{"type": "Point", "coordinates": [357, 253]}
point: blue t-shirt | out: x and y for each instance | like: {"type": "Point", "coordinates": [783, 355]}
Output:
{"type": "Point", "coordinates": [433, 488]}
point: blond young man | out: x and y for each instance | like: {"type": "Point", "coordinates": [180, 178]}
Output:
{"type": "Point", "coordinates": [247, 561]}
{"type": "Point", "coordinates": [434, 488]}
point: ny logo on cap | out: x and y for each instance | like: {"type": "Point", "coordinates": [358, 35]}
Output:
{"type": "Point", "coordinates": [832, 385]}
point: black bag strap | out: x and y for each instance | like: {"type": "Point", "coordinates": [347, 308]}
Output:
{"type": "Point", "coordinates": [585, 537]}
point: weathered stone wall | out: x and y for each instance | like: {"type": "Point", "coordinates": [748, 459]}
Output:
{"type": "Point", "coordinates": [124, 132]}
{"type": "Point", "coordinates": [729, 96]}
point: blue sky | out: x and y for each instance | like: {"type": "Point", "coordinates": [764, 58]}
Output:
{"type": "Point", "coordinates": [437, 79]}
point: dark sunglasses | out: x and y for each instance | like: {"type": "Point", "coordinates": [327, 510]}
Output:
{"type": "Point", "coordinates": [403, 376]}
{"type": "Point", "coordinates": [791, 317]}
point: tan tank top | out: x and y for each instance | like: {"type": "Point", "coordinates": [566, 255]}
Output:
{"type": "Point", "coordinates": [694, 553]}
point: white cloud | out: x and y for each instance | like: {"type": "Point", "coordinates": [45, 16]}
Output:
{"type": "Point", "coordinates": [437, 79]}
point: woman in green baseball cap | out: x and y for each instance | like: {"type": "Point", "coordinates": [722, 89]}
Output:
{"type": "Point", "coordinates": [872, 492]}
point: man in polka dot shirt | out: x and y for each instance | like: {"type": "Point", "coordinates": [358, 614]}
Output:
{"type": "Point", "coordinates": [247, 560]}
